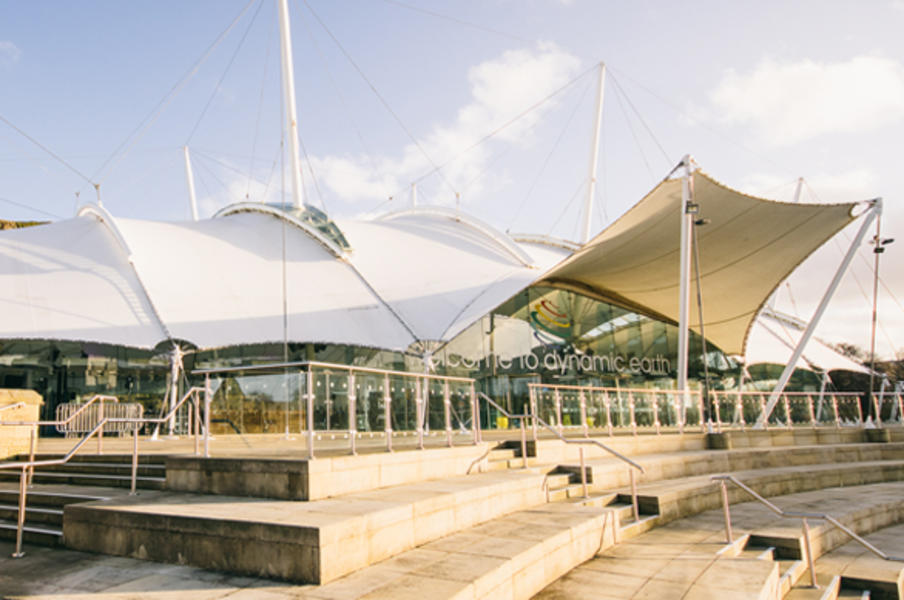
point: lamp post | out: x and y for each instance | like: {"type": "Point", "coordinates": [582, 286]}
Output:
{"type": "Point", "coordinates": [694, 209]}
{"type": "Point", "coordinates": [879, 244]}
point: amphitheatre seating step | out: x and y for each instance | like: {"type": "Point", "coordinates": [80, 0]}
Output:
{"type": "Point", "coordinates": [314, 541]}
{"type": "Point", "coordinates": [610, 472]}
{"type": "Point", "coordinates": [686, 558]}
{"type": "Point", "coordinates": [675, 498]}
{"type": "Point", "coordinates": [80, 478]}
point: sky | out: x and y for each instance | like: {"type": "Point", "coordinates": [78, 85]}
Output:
{"type": "Point", "coordinates": [485, 104]}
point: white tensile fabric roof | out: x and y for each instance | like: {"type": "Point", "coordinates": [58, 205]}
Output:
{"type": "Point", "coordinates": [773, 339]}
{"type": "Point", "coordinates": [748, 247]}
{"type": "Point", "coordinates": [414, 277]}
{"type": "Point", "coordinates": [410, 279]}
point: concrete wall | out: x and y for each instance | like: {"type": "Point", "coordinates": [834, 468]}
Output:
{"type": "Point", "coordinates": [16, 439]}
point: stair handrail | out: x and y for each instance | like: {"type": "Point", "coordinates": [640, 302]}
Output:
{"type": "Point", "coordinates": [580, 442]}
{"type": "Point", "coordinates": [520, 417]}
{"type": "Point", "coordinates": [794, 514]}
{"type": "Point", "coordinates": [95, 398]}
{"type": "Point", "coordinates": [26, 465]}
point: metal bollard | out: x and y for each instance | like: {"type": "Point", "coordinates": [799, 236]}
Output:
{"type": "Point", "coordinates": [583, 474]}
{"type": "Point", "coordinates": [634, 494]}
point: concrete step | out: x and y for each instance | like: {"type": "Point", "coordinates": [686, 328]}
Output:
{"type": "Point", "coordinates": [55, 496]}
{"type": "Point", "coordinates": [75, 478]}
{"type": "Point", "coordinates": [609, 473]}
{"type": "Point", "coordinates": [125, 459]}
{"type": "Point", "coordinates": [828, 587]}
{"type": "Point", "coordinates": [677, 559]}
{"type": "Point", "coordinates": [33, 514]}
{"type": "Point", "coordinates": [106, 468]}
{"type": "Point", "coordinates": [513, 557]}
{"type": "Point", "coordinates": [676, 498]}
{"type": "Point", "coordinates": [43, 535]}
{"type": "Point", "coordinates": [852, 594]}
{"type": "Point", "coordinates": [313, 542]}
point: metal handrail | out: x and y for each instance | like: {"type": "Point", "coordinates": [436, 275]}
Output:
{"type": "Point", "coordinates": [792, 514]}
{"type": "Point", "coordinates": [96, 398]}
{"type": "Point", "coordinates": [25, 466]}
{"type": "Point", "coordinates": [326, 365]}
{"type": "Point", "coordinates": [580, 442]}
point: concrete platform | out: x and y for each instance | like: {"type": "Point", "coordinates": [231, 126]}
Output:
{"type": "Point", "coordinates": [297, 541]}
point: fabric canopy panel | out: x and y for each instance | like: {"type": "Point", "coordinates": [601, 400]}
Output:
{"type": "Point", "coordinates": [219, 282]}
{"type": "Point", "coordinates": [772, 340]}
{"type": "Point", "coordinates": [71, 280]}
{"type": "Point", "coordinates": [747, 248]}
{"type": "Point", "coordinates": [439, 274]}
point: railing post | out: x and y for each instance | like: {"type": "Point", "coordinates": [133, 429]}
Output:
{"type": "Point", "coordinates": [197, 421]}
{"type": "Point", "coordinates": [634, 503]}
{"type": "Point", "coordinates": [740, 408]}
{"type": "Point", "coordinates": [859, 412]}
{"type": "Point", "coordinates": [134, 482]}
{"type": "Point", "coordinates": [633, 416]}
{"type": "Point", "coordinates": [20, 522]}
{"type": "Point", "coordinates": [656, 411]}
{"type": "Point", "coordinates": [583, 473]}
{"type": "Point", "coordinates": [207, 401]}
{"type": "Point", "coordinates": [419, 412]}
{"type": "Point", "coordinates": [309, 409]}
{"type": "Point", "coordinates": [475, 415]}
{"type": "Point", "coordinates": [447, 413]}
{"type": "Point", "coordinates": [523, 444]}
{"type": "Point", "coordinates": [718, 411]}
{"type": "Point", "coordinates": [700, 403]}
{"type": "Point", "coordinates": [557, 397]}
{"type": "Point", "coordinates": [352, 414]}
{"type": "Point", "coordinates": [729, 538]}
{"type": "Point", "coordinates": [763, 411]}
{"type": "Point", "coordinates": [788, 411]}
{"type": "Point", "coordinates": [900, 408]}
{"type": "Point", "coordinates": [100, 419]}
{"type": "Point", "coordinates": [608, 406]}
{"type": "Point", "coordinates": [387, 413]}
{"type": "Point", "coordinates": [583, 401]}
{"type": "Point", "coordinates": [812, 413]}
{"type": "Point", "coordinates": [835, 408]}
{"type": "Point", "coordinates": [533, 408]}
{"type": "Point", "coordinates": [33, 442]}
{"type": "Point", "coordinates": [877, 406]}
{"type": "Point", "coordinates": [809, 551]}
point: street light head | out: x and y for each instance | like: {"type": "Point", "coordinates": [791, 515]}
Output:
{"type": "Point", "coordinates": [692, 208]}
{"type": "Point", "coordinates": [703, 221]}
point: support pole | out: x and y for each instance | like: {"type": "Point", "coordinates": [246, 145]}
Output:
{"type": "Point", "coordinates": [798, 189]}
{"type": "Point", "coordinates": [594, 156]}
{"type": "Point", "coordinates": [190, 177]}
{"type": "Point", "coordinates": [288, 81]}
{"type": "Point", "coordinates": [874, 211]}
{"type": "Point", "coordinates": [687, 199]}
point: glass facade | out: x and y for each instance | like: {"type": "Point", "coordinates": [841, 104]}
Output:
{"type": "Point", "coordinates": [542, 334]}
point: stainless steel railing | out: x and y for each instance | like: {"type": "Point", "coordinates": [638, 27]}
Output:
{"type": "Point", "coordinates": [320, 381]}
{"type": "Point", "coordinates": [803, 516]}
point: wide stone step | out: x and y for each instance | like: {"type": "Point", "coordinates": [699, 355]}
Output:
{"type": "Point", "coordinates": [298, 541]}
{"type": "Point", "coordinates": [687, 558]}
{"type": "Point", "coordinates": [55, 496]}
{"type": "Point", "coordinates": [106, 468]}
{"type": "Point", "coordinates": [123, 481]}
{"type": "Point", "coordinates": [84, 457]}
{"type": "Point", "coordinates": [676, 498]}
{"type": "Point", "coordinates": [33, 514]}
{"type": "Point", "coordinates": [44, 535]}
{"type": "Point", "coordinates": [512, 557]}
{"type": "Point", "coordinates": [608, 473]}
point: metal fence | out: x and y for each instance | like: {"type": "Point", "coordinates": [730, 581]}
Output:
{"type": "Point", "coordinates": [74, 418]}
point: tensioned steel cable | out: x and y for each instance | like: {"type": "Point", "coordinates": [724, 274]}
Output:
{"type": "Point", "coordinates": [136, 134]}
{"type": "Point", "coordinates": [414, 140]}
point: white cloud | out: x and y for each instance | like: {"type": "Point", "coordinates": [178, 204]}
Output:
{"type": "Point", "coordinates": [500, 89]}
{"type": "Point", "coordinates": [786, 102]}
{"type": "Point", "coordinates": [9, 53]}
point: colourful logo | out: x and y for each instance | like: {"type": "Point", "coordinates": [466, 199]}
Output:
{"type": "Point", "coordinates": [548, 319]}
